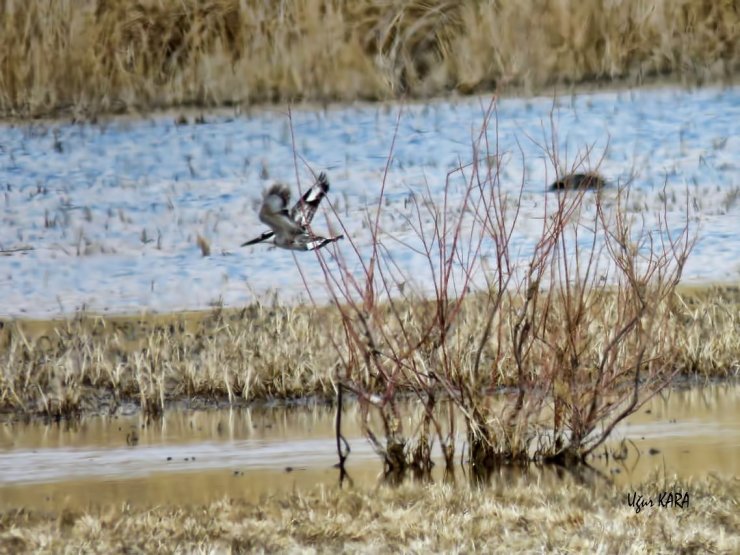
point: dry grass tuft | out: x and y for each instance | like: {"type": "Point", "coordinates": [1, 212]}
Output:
{"type": "Point", "coordinates": [504, 518]}
{"type": "Point", "coordinates": [204, 245]}
{"type": "Point", "coordinates": [91, 56]}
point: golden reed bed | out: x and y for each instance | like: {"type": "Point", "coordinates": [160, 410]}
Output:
{"type": "Point", "coordinates": [84, 57]}
{"type": "Point", "coordinates": [91, 363]}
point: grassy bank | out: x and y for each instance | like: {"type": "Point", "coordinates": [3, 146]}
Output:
{"type": "Point", "coordinates": [88, 364]}
{"type": "Point", "coordinates": [86, 57]}
{"type": "Point", "coordinates": [505, 518]}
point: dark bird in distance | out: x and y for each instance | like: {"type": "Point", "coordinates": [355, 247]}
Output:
{"type": "Point", "coordinates": [590, 180]}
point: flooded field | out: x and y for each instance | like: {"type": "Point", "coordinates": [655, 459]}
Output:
{"type": "Point", "coordinates": [246, 454]}
{"type": "Point", "coordinates": [148, 214]}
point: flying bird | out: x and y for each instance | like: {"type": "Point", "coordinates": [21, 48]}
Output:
{"type": "Point", "coordinates": [291, 228]}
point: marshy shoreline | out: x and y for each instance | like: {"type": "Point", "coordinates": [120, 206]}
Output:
{"type": "Point", "coordinates": [530, 508]}
{"type": "Point", "coordinates": [434, 517]}
{"type": "Point", "coordinates": [111, 363]}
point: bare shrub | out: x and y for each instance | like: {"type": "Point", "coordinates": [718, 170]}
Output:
{"type": "Point", "coordinates": [579, 326]}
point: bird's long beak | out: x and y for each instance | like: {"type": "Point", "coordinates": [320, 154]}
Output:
{"type": "Point", "coordinates": [264, 237]}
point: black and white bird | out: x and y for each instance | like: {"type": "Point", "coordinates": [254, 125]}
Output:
{"type": "Point", "coordinates": [291, 228]}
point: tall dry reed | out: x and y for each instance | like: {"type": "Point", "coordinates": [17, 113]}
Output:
{"type": "Point", "coordinates": [84, 57]}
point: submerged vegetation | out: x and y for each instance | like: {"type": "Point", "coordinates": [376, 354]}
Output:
{"type": "Point", "coordinates": [86, 57]}
{"type": "Point", "coordinates": [508, 517]}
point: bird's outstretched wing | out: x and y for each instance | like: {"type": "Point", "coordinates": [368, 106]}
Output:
{"type": "Point", "coordinates": [274, 211]}
{"type": "Point", "coordinates": [303, 211]}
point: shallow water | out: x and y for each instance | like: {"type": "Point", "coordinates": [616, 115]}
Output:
{"type": "Point", "coordinates": [107, 216]}
{"type": "Point", "coordinates": [201, 456]}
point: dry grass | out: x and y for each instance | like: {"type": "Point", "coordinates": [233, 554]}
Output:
{"type": "Point", "coordinates": [92, 56]}
{"type": "Point", "coordinates": [504, 518]}
{"type": "Point", "coordinates": [90, 363]}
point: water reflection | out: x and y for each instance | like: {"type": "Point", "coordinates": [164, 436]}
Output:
{"type": "Point", "coordinates": [249, 453]}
